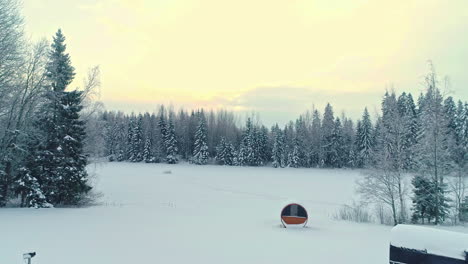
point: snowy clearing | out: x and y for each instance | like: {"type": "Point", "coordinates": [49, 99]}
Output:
{"type": "Point", "coordinates": [197, 214]}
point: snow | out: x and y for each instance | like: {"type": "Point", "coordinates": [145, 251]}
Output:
{"type": "Point", "coordinates": [435, 241]}
{"type": "Point", "coordinates": [197, 214]}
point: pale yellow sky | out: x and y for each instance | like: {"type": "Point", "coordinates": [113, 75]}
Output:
{"type": "Point", "coordinates": [271, 56]}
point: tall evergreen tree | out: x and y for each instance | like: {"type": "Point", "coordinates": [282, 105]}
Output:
{"type": "Point", "coordinates": [349, 157]}
{"type": "Point", "coordinates": [147, 152]}
{"type": "Point", "coordinates": [315, 155]}
{"type": "Point", "coordinates": [200, 152]}
{"type": "Point", "coordinates": [171, 142]}
{"type": "Point", "coordinates": [421, 199]}
{"type": "Point", "coordinates": [364, 139]}
{"type": "Point", "coordinates": [294, 157]}
{"type": "Point", "coordinates": [408, 113]}
{"type": "Point", "coordinates": [464, 210]}
{"type": "Point", "coordinates": [278, 148]}
{"type": "Point", "coordinates": [27, 185]}
{"type": "Point", "coordinates": [137, 141]}
{"type": "Point", "coordinates": [337, 150]}
{"type": "Point", "coordinates": [247, 151]}
{"type": "Point", "coordinates": [162, 124]}
{"type": "Point", "coordinates": [225, 152]}
{"type": "Point", "coordinates": [302, 142]}
{"type": "Point", "coordinates": [328, 125]}
{"type": "Point", "coordinates": [129, 146]}
{"type": "Point", "coordinates": [60, 156]}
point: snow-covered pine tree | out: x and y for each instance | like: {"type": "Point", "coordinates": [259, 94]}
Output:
{"type": "Point", "coordinates": [450, 111]}
{"type": "Point", "coordinates": [155, 138]}
{"type": "Point", "coordinates": [247, 153]}
{"type": "Point", "coordinates": [253, 158]}
{"type": "Point", "coordinates": [171, 142]}
{"type": "Point", "coordinates": [137, 141]}
{"type": "Point", "coordinates": [147, 153]}
{"type": "Point", "coordinates": [120, 141]}
{"type": "Point", "coordinates": [60, 155]}
{"type": "Point", "coordinates": [328, 124]}
{"type": "Point", "coordinates": [129, 146]}
{"type": "Point", "coordinates": [225, 153]}
{"type": "Point", "coordinates": [27, 186]}
{"type": "Point", "coordinates": [220, 151]}
{"type": "Point", "coordinates": [301, 140]}
{"type": "Point", "coordinates": [200, 152]}
{"type": "Point", "coordinates": [421, 199]}
{"type": "Point", "coordinates": [349, 157]}
{"type": "Point", "coordinates": [72, 177]}
{"type": "Point", "coordinates": [364, 139]}
{"type": "Point", "coordinates": [463, 217]}
{"type": "Point", "coordinates": [30, 191]}
{"type": "Point", "coordinates": [294, 157]}
{"type": "Point", "coordinates": [316, 147]}
{"type": "Point", "coordinates": [337, 150]}
{"type": "Point", "coordinates": [191, 129]}
{"type": "Point", "coordinates": [409, 118]}
{"type": "Point", "coordinates": [278, 148]}
{"type": "Point", "coordinates": [377, 139]}
{"type": "Point", "coordinates": [162, 124]}
{"type": "Point", "coordinates": [110, 135]}
{"type": "Point", "coordinates": [459, 153]}
{"type": "Point", "coordinates": [264, 149]}
{"type": "Point", "coordinates": [230, 158]}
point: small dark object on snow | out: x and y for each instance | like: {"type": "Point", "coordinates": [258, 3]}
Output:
{"type": "Point", "coordinates": [294, 215]}
{"type": "Point", "coordinates": [28, 256]}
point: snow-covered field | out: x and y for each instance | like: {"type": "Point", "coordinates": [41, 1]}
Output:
{"type": "Point", "coordinates": [197, 214]}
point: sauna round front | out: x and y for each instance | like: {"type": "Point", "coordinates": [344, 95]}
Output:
{"type": "Point", "coordinates": [294, 215]}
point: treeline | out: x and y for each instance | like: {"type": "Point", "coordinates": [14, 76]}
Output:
{"type": "Point", "coordinates": [42, 131]}
{"type": "Point", "coordinates": [428, 138]}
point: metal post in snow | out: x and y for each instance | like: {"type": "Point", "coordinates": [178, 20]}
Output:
{"type": "Point", "coordinates": [28, 256]}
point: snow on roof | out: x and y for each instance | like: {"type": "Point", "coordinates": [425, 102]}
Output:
{"type": "Point", "coordinates": [435, 241]}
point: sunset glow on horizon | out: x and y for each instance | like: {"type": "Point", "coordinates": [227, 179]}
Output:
{"type": "Point", "coordinates": [277, 58]}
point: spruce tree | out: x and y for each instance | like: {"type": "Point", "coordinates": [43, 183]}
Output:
{"type": "Point", "coordinates": [294, 157]}
{"type": "Point", "coordinates": [316, 147]}
{"type": "Point", "coordinates": [129, 142]}
{"type": "Point", "coordinates": [137, 141]}
{"type": "Point", "coordinates": [337, 150]}
{"type": "Point", "coordinates": [163, 133]}
{"type": "Point", "coordinates": [349, 157]}
{"type": "Point", "coordinates": [278, 148]}
{"type": "Point", "coordinates": [264, 149]}
{"type": "Point", "coordinates": [60, 155]}
{"type": "Point", "coordinates": [247, 152]}
{"type": "Point", "coordinates": [171, 142]}
{"type": "Point", "coordinates": [27, 185]}
{"type": "Point", "coordinates": [73, 177]}
{"type": "Point", "coordinates": [464, 210]}
{"type": "Point", "coordinates": [200, 152]}
{"type": "Point", "coordinates": [328, 124]}
{"type": "Point", "coordinates": [408, 114]}
{"type": "Point", "coordinates": [225, 153]}
{"type": "Point", "coordinates": [302, 142]}
{"type": "Point", "coordinates": [364, 139]}
{"type": "Point", "coordinates": [30, 191]}
{"type": "Point", "coordinates": [147, 153]}
{"type": "Point", "coordinates": [421, 199]}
